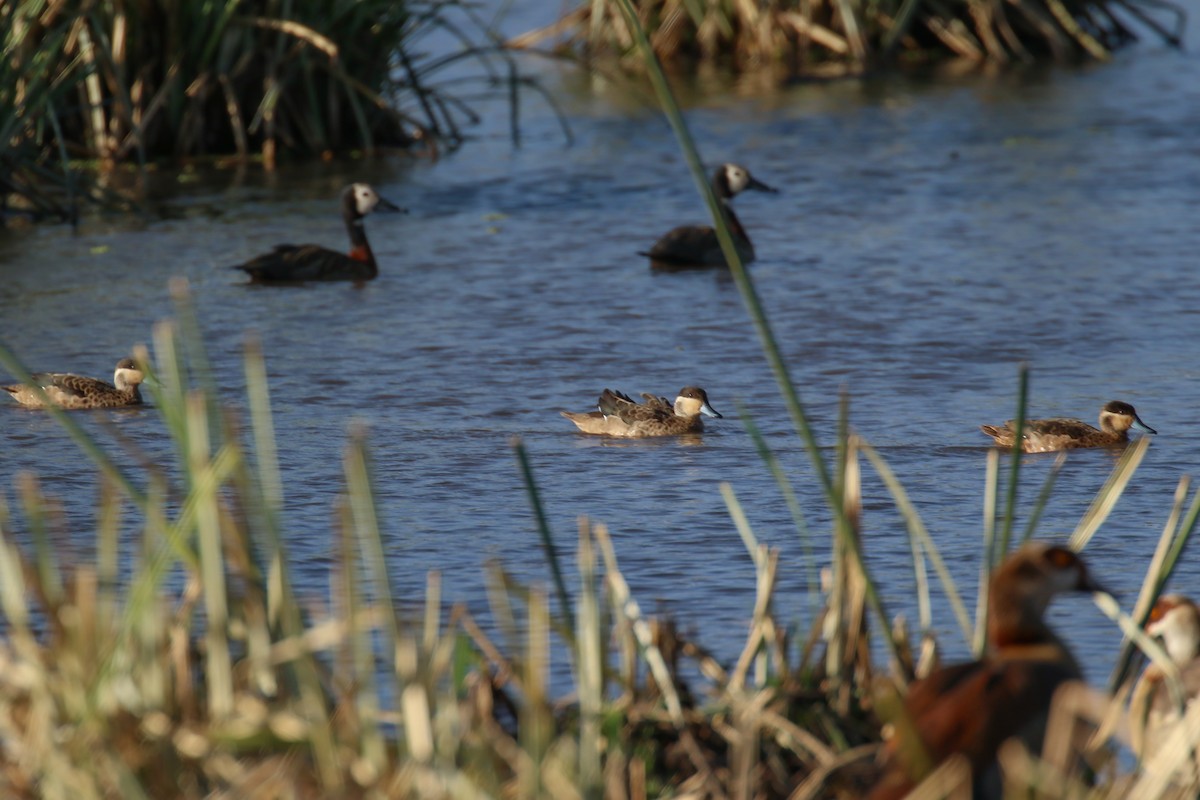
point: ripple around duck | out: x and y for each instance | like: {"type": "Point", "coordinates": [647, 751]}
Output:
{"type": "Point", "coordinates": [913, 279]}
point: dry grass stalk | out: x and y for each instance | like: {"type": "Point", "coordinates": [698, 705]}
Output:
{"type": "Point", "coordinates": [804, 35]}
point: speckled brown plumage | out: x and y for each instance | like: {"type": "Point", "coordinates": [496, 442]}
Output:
{"type": "Point", "coordinates": [620, 415]}
{"type": "Point", "coordinates": [76, 391]}
{"type": "Point", "coordinates": [1060, 433]}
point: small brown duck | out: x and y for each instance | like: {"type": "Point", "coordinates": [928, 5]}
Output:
{"type": "Point", "coordinates": [620, 415]}
{"type": "Point", "coordinates": [76, 391]}
{"type": "Point", "coordinates": [1046, 435]}
{"type": "Point", "coordinates": [692, 246]}
{"type": "Point", "coordinates": [293, 263]}
{"type": "Point", "coordinates": [1153, 715]}
{"type": "Point", "coordinates": [973, 708]}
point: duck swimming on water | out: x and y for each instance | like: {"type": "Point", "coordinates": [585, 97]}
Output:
{"type": "Point", "coordinates": [76, 391]}
{"type": "Point", "coordinates": [291, 263]}
{"type": "Point", "coordinates": [697, 245]}
{"type": "Point", "coordinates": [620, 415]}
{"type": "Point", "coordinates": [1046, 435]}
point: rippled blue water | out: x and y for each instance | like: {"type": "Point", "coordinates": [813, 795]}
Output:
{"type": "Point", "coordinates": [930, 235]}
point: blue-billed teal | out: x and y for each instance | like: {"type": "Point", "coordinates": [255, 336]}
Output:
{"type": "Point", "coordinates": [620, 415]}
{"type": "Point", "coordinates": [76, 391]}
{"type": "Point", "coordinates": [1045, 435]}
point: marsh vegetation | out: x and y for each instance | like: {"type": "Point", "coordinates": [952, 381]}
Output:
{"type": "Point", "coordinates": [86, 87]}
{"type": "Point", "coordinates": [833, 37]}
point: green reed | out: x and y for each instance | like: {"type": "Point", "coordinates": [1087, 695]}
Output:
{"type": "Point", "coordinates": [100, 84]}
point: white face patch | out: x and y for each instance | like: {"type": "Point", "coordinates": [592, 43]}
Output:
{"type": "Point", "coordinates": [127, 377]}
{"type": "Point", "coordinates": [365, 198]}
{"type": "Point", "coordinates": [737, 178]}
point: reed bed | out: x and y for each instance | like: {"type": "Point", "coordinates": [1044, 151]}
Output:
{"type": "Point", "coordinates": [834, 37]}
{"type": "Point", "coordinates": [99, 84]}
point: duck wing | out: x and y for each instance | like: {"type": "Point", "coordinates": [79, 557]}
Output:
{"type": "Point", "coordinates": [72, 385]}
{"type": "Point", "coordinates": [687, 245]}
{"type": "Point", "coordinates": [938, 713]}
{"type": "Point", "coordinates": [305, 262]}
{"type": "Point", "coordinates": [1058, 426]}
{"type": "Point", "coordinates": [655, 401]}
{"type": "Point", "coordinates": [623, 406]}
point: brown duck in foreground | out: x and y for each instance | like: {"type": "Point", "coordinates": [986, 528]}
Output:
{"type": "Point", "coordinates": [76, 391]}
{"type": "Point", "coordinates": [971, 709]}
{"type": "Point", "coordinates": [1045, 435]}
{"type": "Point", "coordinates": [620, 415]}
{"type": "Point", "coordinates": [690, 246]}
{"type": "Point", "coordinates": [292, 263]}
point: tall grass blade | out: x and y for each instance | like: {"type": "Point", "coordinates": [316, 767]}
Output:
{"type": "Point", "coordinates": [740, 276]}
{"type": "Point", "coordinates": [364, 527]}
{"type": "Point", "coordinates": [1170, 546]}
{"type": "Point", "coordinates": [1106, 498]}
{"type": "Point", "coordinates": [590, 660]}
{"type": "Point", "coordinates": [627, 608]}
{"type": "Point", "coordinates": [218, 669]}
{"type": "Point", "coordinates": [535, 499]}
{"type": "Point", "coordinates": [923, 544]}
{"type": "Point", "coordinates": [990, 487]}
{"type": "Point", "coordinates": [1043, 498]}
{"type": "Point", "coordinates": [789, 498]}
{"type": "Point", "coordinates": [1014, 467]}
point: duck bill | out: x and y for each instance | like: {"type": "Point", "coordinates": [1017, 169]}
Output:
{"type": "Point", "coordinates": [755, 183]}
{"type": "Point", "coordinates": [1138, 425]}
{"type": "Point", "coordinates": [1089, 584]}
{"type": "Point", "coordinates": [387, 205]}
{"type": "Point", "coordinates": [709, 411]}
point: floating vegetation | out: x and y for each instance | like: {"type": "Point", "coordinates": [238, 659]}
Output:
{"type": "Point", "coordinates": [838, 36]}
{"type": "Point", "coordinates": [106, 83]}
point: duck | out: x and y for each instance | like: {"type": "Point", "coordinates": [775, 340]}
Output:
{"type": "Point", "coordinates": [622, 416]}
{"type": "Point", "coordinates": [293, 263]}
{"type": "Point", "coordinates": [1046, 435]}
{"type": "Point", "coordinates": [971, 709]}
{"type": "Point", "coordinates": [1175, 619]}
{"type": "Point", "coordinates": [692, 246]}
{"type": "Point", "coordinates": [77, 391]}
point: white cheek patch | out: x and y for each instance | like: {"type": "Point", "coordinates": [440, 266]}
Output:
{"type": "Point", "coordinates": [366, 202]}
{"type": "Point", "coordinates": [737, 180]}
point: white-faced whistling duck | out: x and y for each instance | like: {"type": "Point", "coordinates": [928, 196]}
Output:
{"type": "Point", "coordinates": [292, 263]}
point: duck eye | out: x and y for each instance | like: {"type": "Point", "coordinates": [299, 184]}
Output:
{"type": "Point", "coordinates": [1062, 558]}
